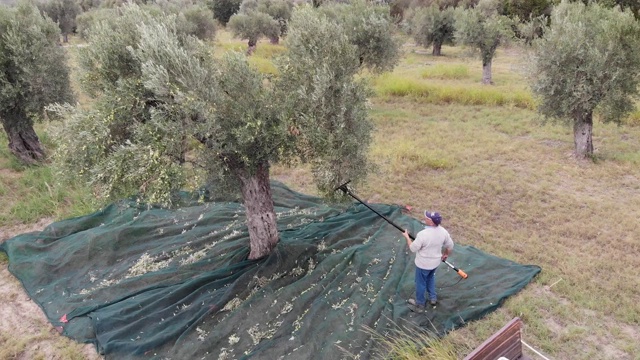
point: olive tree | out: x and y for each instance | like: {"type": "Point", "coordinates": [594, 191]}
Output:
{"type": "Point", "coordinates": [251, 24]}
{"type": "Point", "coordinates": [168, 112]}
{"type": "Point", "coordinates": [64, 13]}
{"type": "Point", "coordinates": [633, 5]}
{"type": "Point", "coordinates": [280, 10]}
{"type": "Point", "coordinates": [483, 29]}
{"type": "Point", "coordinates": [432, 26]}
{"type": "Point", "coordinates": [33, 73]}
{"type": "Point", "coordinates": [370, 28]}
{"type": "Point", "coordinates": [198, 21]}
{"type": "Point", "coordinates": [223, 9]}
{"type": "Point", "coordinates": [594, 69]}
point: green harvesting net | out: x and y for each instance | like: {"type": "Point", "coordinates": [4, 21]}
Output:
{"type": "Point", "coordinates": [142, 282]}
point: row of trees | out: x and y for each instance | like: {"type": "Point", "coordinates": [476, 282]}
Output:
{"type": "Point", "coordinates": [482, 28]}
{"type": "Point", "coordinates": [166, 110]}
{"type": "Point", "coordinates": [484, 25]}
{"type": "Point", "coordinates": [516, 9]}
{"type": "Point", "coordinates": [72, 15]}
{"type": "Point", "coordinates": [594, 69]}
{"type": "Point", "coordinates": [77, 16]}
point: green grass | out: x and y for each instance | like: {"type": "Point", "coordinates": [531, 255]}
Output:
{"type": "Point", "coordinates": [30, 193]}
{"type": "Point", "coordinates": [444, 71]}
{"type": "Point", "coordinates": [36, 195]}
{"type": "Point", "coordinates": [633, 119]}
{"type": "Point", "coordinates": [391, 85]}
{"type": "Point", "coordinates": [505, 181]}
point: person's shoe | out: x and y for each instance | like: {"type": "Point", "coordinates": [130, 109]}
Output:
{"type": "Point", "coordinates": [432, 302]}
{"type": "Point", "coordinates": [413, 306]}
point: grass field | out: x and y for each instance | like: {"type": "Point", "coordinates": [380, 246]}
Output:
{"type": "Point", "coordinates": [505, 181]}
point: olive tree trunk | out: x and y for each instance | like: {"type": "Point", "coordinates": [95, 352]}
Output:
{"type": "Point", "coordinates": [582, 134]}
{"type": "Point", "coordinates": [261, 216]}
{"type": "Point", "coordinates": [23, 140]}
{"type": "Point", "coordinates": [251, 45]}
{"type": "Point", "coordinates": [437, 49]}
{"type": "Point", "coordinates": [486, 72]}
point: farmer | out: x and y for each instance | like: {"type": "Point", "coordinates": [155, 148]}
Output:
{"type": "Point", "coordinates": [432, 246]}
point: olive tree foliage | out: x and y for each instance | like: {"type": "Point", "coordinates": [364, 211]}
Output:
{"type": "Point", "coordinates": [431, 26]}
{"type": "Point", "coordinates": [280, 10]}
{"type": "Point", "coordinates": [483, 30]}
{"type": "Point", "coordinates": [530, 17]}
{"type": "Point", "coordinates": [400, 8]}
{"type": "Point", "coordinates": [527, 31]}
{"type": "Point", "coordinates": [199, 22]}
{"type": "Point", "coordinates": [596, 68]}
{"type": "Point", "coordinates": [527, 9]}
{"type": "Point", "coordinates": [633, 5]}
{"type": "Point", "coordinates": [62, 12]}
{"type": "Point", "coordinates": [223, 9]}
{"type": "Point", "coordinates": [118, 3]}
{"type": "Point", "coordinates": [87, 5]}
{"type": "Point", "coordinates": [33, 73]}
{"type": "Point", "coordinates": [370, 28]}
{"type": "Point", "coordinates": [87, 19]}
{"type": "Point", "coordinates": [196, 20]}
{"type": "Point", "coordinates": [325, 101]}
{"type": "Point", "coordinates": [169, 114]}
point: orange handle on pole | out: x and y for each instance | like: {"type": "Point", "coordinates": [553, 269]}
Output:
{"type": "Point", "coordinates": [460, 272]}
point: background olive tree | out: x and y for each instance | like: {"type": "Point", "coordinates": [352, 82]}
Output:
{"type": "Point", "coordinates": [633, 5]}
{"type": "Point", "coordinates": [223, 9]}
{"type": "Point", "coordinates": [596, 68]}
{"type": "Point", "coordinates": [62, 12]}
{"type": "Point", "coordinates": [192, 19]}
{"type": "Point", "coordinates": [370, 28]}
{"type": "Point", "coordinates": [167, 113]}
{"type": "Point", "coordinates": [483, 30]}
{"type": "Point", "coordinates": [432, 26]}
{"type": "Point", "coordinates": [251, 23]}
{"type": "Point", "coordinates": [33, 73]}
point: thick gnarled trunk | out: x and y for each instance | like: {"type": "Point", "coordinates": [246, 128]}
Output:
{"type": "Point", "coordinates": [582, 135]}
{"type": "Point", "coordinates": [23, 140]}
{"type": "Point", "coordinates": [261, 216]}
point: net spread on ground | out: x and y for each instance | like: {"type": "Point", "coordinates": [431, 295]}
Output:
{"type": "Point", "coordinates": [143, 282]}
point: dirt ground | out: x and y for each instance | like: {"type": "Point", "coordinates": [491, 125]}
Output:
{"type": "Point", "coordinates": [25, 332]}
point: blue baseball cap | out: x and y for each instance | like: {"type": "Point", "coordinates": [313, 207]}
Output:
{"type": "Point", "coordinates": [434, 216]}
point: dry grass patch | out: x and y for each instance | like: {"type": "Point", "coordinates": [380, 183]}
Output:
{"type": "Point", "coordinates": [24, 330]}
{"type": "Point", "coordinates": [515, 191]}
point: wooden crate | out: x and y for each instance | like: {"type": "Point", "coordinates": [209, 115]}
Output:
{"type": "Point", "coordinates": [505, 343]}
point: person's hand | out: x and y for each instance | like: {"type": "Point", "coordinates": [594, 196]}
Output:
{"type": "Point", "coordinates": [444, 257]}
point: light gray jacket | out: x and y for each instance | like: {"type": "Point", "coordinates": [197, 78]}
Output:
{"type": "Point", "coordinates": [428, 246]}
